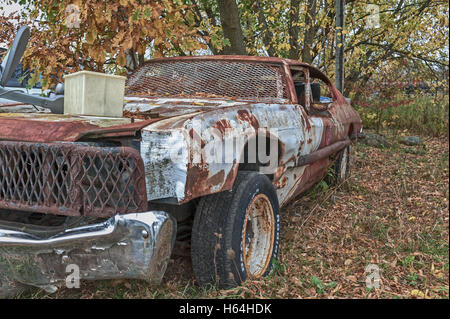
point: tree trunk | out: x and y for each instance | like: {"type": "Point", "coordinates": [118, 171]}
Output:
{"type": "Point", "coordinates": [309, 31]}
{"type": "Point", "coordinates": [294, 33]}
{"type": "Point", "coordinates": [231, 26]}
{"type": "Point", "coordinates": [340, 19]}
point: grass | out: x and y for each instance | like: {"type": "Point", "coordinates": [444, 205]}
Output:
{"type": "Point", "coordinates": [420, 113]}
{"type": "Point", "coordinates": [392, 212]}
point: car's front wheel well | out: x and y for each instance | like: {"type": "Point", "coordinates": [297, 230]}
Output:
{"type": "Point", "coordinates": [250, 161]}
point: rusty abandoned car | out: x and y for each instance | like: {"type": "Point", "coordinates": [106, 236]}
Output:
{"type": "Point", "coordinates": [110, 194]}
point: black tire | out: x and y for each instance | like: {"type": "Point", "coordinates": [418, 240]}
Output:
{"type": "Point", "coordinates": [217, 245]}
{"type": "Point", "coordinates": [342, 166]}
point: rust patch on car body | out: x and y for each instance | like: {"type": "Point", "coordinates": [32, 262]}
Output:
{"type": "Point", "coordinates": [222, 126]}
{"type": "Point", "coordinates": [281, 183]}
{"type": "Point", "coordinates": [62, 130]}
{"type": "Point", "coordinates": [245, 116]}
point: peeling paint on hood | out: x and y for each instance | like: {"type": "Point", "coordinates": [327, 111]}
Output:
{"type": "Point", "coordinates": [44, 127]}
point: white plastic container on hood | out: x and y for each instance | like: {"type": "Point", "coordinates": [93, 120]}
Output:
{"type": "Point", "coordinates": [92, 93]}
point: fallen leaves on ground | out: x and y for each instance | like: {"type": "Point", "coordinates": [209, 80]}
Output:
{"type": "Point", "coordinates": [392, 213]}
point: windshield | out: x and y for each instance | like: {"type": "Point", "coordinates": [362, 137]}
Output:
{"type": "Point", "coordinates": [221, 78]}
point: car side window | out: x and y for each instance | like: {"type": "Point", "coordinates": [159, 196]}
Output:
{"type": "Point", "coordinates": [320, 94]}
{"type": "Point", "coordinates": [299, 78]}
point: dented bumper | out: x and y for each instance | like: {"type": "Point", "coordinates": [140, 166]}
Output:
{"type": "Point", "coordinates": [132, 246]}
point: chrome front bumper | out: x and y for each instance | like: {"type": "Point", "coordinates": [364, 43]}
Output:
{"type": "Point", "coordinates": [134, 246]}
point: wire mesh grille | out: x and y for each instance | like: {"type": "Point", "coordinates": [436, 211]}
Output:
{"type": "Point", "coordinates": [211, 78]}
{"type": "Point", "coordinates": [71, 180]}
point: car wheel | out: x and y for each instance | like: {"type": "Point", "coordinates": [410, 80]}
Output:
{"type": "Point", "coordinates": [236, 233]}
{"type": "Point", "coordinates": [342, 166]}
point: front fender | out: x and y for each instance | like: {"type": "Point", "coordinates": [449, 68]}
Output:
{"type": "Point", "coordinates": [181, 166]}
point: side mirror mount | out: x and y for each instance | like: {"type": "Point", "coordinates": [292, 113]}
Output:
{"type": "Point", "coordinates": [14, 55]}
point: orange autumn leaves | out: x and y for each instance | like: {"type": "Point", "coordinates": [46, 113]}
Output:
{"type": "Point", "coordinates": [97, 35]}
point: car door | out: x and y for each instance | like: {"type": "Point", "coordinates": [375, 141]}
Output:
{"type": "Point", "coordinates": [309, 131]}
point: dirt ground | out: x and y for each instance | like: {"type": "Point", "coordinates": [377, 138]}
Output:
{"type": "Point", "coordinates": [391, 217]}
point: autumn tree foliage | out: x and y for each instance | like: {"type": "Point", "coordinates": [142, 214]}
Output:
{"type": "Point", "coordinates": [118, 35]}
{"type": "Point", "coordinates": [376, 33]}
{"type": "Point", "coordinates": [70, 35]}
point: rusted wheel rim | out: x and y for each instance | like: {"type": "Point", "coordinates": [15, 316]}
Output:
{"type": "Point", "coordinates": [258, 234]}
{"type": "Point", "coordinates": [343, 170]}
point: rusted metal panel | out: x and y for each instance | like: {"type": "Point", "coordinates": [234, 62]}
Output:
{"type": "Point", "coordinates": [311, 175]}
{"type": "Point", "coordinates": [48, 128]}
{"type": "Point", "coordinates": [290, 84]}
{"type": "Point", "coordinates": [70, 179]}
{"type": "Point", "coordinates": [39, 131]}
{"type": "Point", "coordinates": [322, 153]}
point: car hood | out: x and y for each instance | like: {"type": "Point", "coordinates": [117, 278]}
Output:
{"type": "Point", "coordinates": [139, 112]}
{"type": "Point", "coordinates": [47, 128]}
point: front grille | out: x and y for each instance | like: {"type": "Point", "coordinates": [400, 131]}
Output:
{"type": "Point", "coordinates": [234, 79]}
{"type": "Point", "coordinates": [71, 179]}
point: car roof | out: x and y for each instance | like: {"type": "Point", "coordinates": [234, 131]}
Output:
{"type": "Point", "coordinates": [314, 71]}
